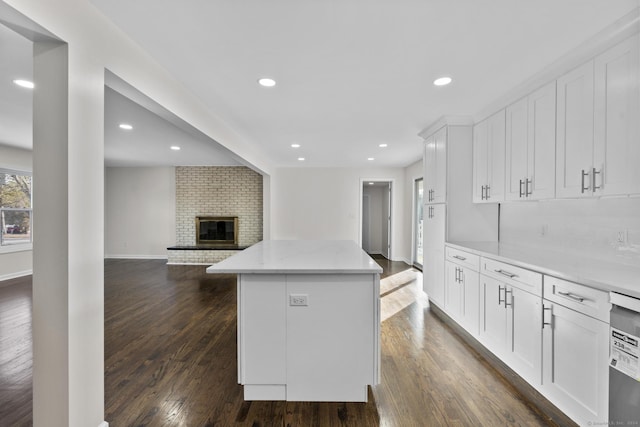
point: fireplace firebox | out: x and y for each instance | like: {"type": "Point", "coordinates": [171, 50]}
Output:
{"type": "Point", "coordinates": [217, 230]}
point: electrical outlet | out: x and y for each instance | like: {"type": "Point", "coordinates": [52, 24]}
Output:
{"type": "Point", "coordinates": [299, 299]}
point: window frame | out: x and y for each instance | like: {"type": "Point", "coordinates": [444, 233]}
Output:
{"type": "Point", "coordinates": [18, 247]}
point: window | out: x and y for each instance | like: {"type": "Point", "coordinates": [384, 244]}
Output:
{"type": "Point", "coordinates": [15, 207]}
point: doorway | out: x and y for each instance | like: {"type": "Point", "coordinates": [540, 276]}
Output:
{"type": "Point", "coordinates": [418, 201]}
{"type": "Point", "coordinates": [376, 217]}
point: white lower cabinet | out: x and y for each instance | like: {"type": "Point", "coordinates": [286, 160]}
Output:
{"type": "Point", "coordinates": [462, 296]}
{"type": "Point", "coordinates": [433, 265]}
{"type": "Point", "coordinates": [510, 320]}
{"type": "Point", "coordinates": [576, 353]}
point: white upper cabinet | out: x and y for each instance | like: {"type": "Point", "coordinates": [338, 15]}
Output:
{"type": "Point", "coordinates": [616, 146]}
{"type": "Point", "coordinates": [597, 133]}
{"type": "Point", "coordinates": [574, 135]}
{"type": "Point", "coordinates": [488, 159]}
{"type": "Point", "coordinates": [435, 165]}
{"type": "Point", "coordinates": [531, 145]}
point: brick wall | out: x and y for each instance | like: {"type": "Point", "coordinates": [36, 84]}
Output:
{"type": "Point", "coordinates": [218, 191]}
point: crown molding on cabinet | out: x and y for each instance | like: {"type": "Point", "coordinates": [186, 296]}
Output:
{"type": "Point", "coordinates": [615, 33]}
{"type": "Point", "coordinates": [445, 121]}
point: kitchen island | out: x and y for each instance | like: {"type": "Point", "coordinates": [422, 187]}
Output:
{"type": "Point", "coordinates": [308, 320]}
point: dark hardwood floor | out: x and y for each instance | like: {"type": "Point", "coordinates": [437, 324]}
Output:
{"type": "Point", "coordinates": [170, 360]}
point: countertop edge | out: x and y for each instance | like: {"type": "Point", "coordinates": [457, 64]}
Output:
{"type": "Point", "coordinates": [569, 274]}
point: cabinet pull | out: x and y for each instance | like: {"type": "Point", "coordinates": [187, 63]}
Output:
{"type": "Point", "coordinates": [500, 300]}
{"type": "Point", "coordinates": [543, 310]}
{"type": "Point", "coordinates": [506, 273]}
{"type": "Point", "coordinates": [456, 275]}
{"type": "Point", "coordinates": [571, 296]}
{"type": "Point", "coordinates": [521, 193]}
{"type": "Point", "coordinates": [505, 297]}
{"type": "Point", "coordinates": [461, 258]}
{"type": "Point", "coordinates": [582, 187]}
{"type": "Point", "coordinates": [488, 192]}
{"type": "Point", "coordinates": [527, 183]}
{"type": "Point", "coordinates": [593, 175]}
{"type": "Point", "coordinates": [482, 193]}
{"type": "Point", "coordinates": [461, 276]}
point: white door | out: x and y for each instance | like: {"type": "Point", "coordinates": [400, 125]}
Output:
{"type": "Point", "coordinates": [542, 143]}
{"type": "Point", "coordinates": [440, 190]}
{"type": "Point", "coordinates": [574, 137]}
{"type": "Point", "coordinates": [470, 300]}
{"type": "Point", "coordinates": [525, 334]}
{"type": "Point", "coordinates": [575, 363]}
{"type": "Point", "coordinates": [454, 291]}
{"type": "Point", "coordinates": [433, 267]}
{"type": "Point", "coordinates": [617, 150]}
{"type": "Point", "coordinates": [517, 116]}
{"type": "Point", "coordinates": [496, 142]}
{"type": "Point", "coordinates": [493, 315]}
{"type": "Point", "coordinates": [480, 162]}
{"type": "Point", "coordinates": [429, 168]}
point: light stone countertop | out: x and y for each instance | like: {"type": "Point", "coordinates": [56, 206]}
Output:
{"type": "Point", "coordinates": [299, 257]}
{"type": "Point", "coordinates": [589, 271]}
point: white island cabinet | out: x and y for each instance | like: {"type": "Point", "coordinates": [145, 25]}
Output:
{"type": "Point", "coordinates": [308, 320]}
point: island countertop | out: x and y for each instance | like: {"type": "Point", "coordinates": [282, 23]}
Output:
{"type": "Point", "coordinates": [299, 256]}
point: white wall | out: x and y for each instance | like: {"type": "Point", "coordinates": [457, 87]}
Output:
{"type": "Point", "coordinates": [15, 264]}
{"type": "Point", "coordinates": [372, 234]}
{"type": "Point", "coordinates": [140, 206]}
{"type": "Point", "coordinates": [324, 204]}
{"type": "Point", "coordinates": [582, 227]}
{"type": "Point", "coordinates": [412, 172]}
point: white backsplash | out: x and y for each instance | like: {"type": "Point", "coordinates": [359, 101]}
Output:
{"type": "Point", "coordinates": [588, 227]}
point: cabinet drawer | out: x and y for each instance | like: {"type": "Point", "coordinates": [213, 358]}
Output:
{"type": "Point", "coordinates": [463, 258]}
{"type": "Point", "coordinates": [524, 279]}
{"type": "Point", "coordinates": [583, 299]}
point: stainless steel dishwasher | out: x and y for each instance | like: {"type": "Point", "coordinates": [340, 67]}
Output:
{"type": "Point", "coordinates": [624, 361]}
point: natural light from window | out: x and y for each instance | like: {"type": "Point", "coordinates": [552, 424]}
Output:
{"type": "Point", "coordinates": [15, 208]}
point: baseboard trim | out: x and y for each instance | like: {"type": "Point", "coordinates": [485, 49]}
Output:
{"type": "Point", "coordinates": [16, 275]}
{"type": "Point", "coordinates": [534, 399]}
{"type": "Point", "coordinates": [128, 256]}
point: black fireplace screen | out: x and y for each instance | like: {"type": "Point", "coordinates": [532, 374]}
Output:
{"type": "Point", "coordinates": [216, 230]}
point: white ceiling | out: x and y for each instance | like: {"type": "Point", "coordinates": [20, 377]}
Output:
{"type": "Point", "coordinates": [351, 73]}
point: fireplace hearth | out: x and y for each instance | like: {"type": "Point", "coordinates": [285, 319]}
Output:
{"type": "Point", "coordinates": [216, 230]}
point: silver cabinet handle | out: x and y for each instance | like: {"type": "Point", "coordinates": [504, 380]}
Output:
{"type": "Point", "coordinates": [593, 175]}
{"type": "Point", "coordinates": [582, 187]}
{"type": "Point", "coordinates": [527, 183]}
{"type": "Point", "coordinates": [500, 300]}
{"type": "Point", "coordinates": [506, 273]}
{"type": "Point", "coordinates": [571, 296]}
{"type": "Point", "coordinates": [506, 304]}
{"type": "Point", "coordinates": [521, 185]}
{"type": "Point", "coordinates": [461, 258]}
{"type": "Point", "coordinates": [482, 193]}
{"type": "Point", "coordinates": [543, 310]}
{"type": "Point", "coordinates": [488, 191]}
{"type": "Point", "coordinates": [461, 276]}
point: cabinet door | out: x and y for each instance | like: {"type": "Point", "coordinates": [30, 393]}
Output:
{"type": "Point", "coordinates": [493, 315]}
{"type": "Point", "coordinates": [454, 291]}
{"type": "Point", "coordinates": [524, 334]}
{"type": "Point", "coordinates": [433, 267]}
{"type": "Point", "coordinates": [516, 150]}
{"type": "Point", "coordinates": [470, 300]}
{"type": "Point", "coordinates": [480, 162]}
{"type": "Point", "coordinates": [575, 363]}
{"type": "Point", "coordinates": [496, 145]}
{"type": "Point", "coordinates": [617, 151]}
{"type": "Point", "coordinates": [440, 189]}
{"type": "Point", "coordinates": [574, 136]}
{"type": "Point", "coordinates": [429, 168]}
{"type": "Point", "coordinates": [541, 153]}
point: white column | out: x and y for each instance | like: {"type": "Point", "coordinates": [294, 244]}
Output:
{"type": "Point", "coordinates": [68, 279]}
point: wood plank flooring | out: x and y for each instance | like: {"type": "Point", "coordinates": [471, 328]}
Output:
{"type": "Point", "coordinates": [170, 360]}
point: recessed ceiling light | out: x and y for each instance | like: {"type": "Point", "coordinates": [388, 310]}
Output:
{"type": "Point", "coordinates": [370, 158]}
{"type": "Point", "coordinates": [301, 159]}
{"type": "Point", "coordinates": [175, 148]}
{"type": "Point", "coordinates": [295, 145]}
{"type": "Point", "coordinates": [382, 145]}
{"type": "Point", "coordinates": [266, 82]}
{"type": "Point", "coordinates": [24, 83]}
{"type": "Point", "coordinates": [442, 81]}
{"type": "Point", "coordinates": [125, 126]}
